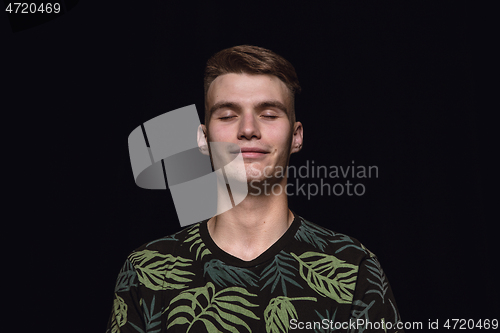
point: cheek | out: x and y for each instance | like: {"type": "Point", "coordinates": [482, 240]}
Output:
{"type": "Point", "coordinates": [282, 144]}
{"type": "Point", "coordinates": [216, 134]}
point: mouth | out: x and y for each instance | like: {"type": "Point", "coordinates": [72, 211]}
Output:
{"type": "Point", "coordinates": [253, 152]}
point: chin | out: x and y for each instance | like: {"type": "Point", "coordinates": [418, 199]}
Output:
{"type": "Point", "coordinates": [254, 174]}
{"type": "Point", "coordinates": [258, 180]}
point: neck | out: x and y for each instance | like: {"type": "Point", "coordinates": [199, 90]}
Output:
{"type": "Point", "coordinates": [251, 227]}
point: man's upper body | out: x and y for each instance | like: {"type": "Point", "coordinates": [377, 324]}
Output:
{"type": "Point", "coordinates": [251, 268]}
{"type": "Point", "coordinates": [311, 279]}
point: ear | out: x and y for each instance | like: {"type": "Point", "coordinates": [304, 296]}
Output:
{"type": "Point", "coordinates": [298, 137]}
{"type": "Point", "coordinates": [202, 140]}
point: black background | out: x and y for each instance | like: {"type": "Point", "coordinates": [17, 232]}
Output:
{"type": "Point", "coordinates": [390, 84]}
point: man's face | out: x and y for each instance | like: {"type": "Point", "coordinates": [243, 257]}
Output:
{"type": "Point", "coordinates": [252, 111]}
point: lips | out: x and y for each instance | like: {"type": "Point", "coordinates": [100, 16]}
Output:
{"type": "Point", "coordinates": [250, 150]}
{"type": "Point", "coordinates": [253, 152]}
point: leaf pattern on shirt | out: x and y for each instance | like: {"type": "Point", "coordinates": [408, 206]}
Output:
{"type": "Point", "coordinates": [151, 320]}
{"type": "Point", "coordinates": [222, 274]}
{"type": "Point", "coordinates": [195, 239]}
{"type": "Point", "coordinates": [166, 238]}
{"type": "Point", "coordinates": [345, 239]}
{"type": "Point", "coordinates": [330, 319]}
{"type": "Point", "coordinates": [126, 278]}
{"type": "Point", "coordinates": [280, 271]}
{"type": "Point", "coordinates": [379, 279]}
{"type": "Point", "coordinates": [280, 311]}
{"type": "Point", "coordinates": [119, 314]}
{"type": "Point", "coordinates": [159, 271]}
{"type": "Point", "coordinates": [370, 253]}
{"type": "Point", "coordinates": [205, 305]}
{"type": "Point", "coordinates": [327, 275]}
{"type": "Point", "coordinates": [360, 311]}
{"type": "Point", "coordinates": [313, 234]}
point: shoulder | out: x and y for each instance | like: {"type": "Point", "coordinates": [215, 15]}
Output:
{"type": "Point", "coordinates": [152, 261]}
{"type": "Point", "coordinates": [329, 242]}
{"type": "Point", "coordinates": [166, 246]}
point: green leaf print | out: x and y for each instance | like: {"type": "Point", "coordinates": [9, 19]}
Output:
{"type": "Point", "coordinates": [119, 314]}
{"type": "Point", "coordinates": [152, 266]}
{"type": "Point", "coordinates": [280, 271]}
{"type": "Point", "coordinates": [370, 253]}
{"type": "Point", "coordinates": [329, 319]}
{"type": "Point", "coordinates": [327, 275]}
{"type": "Point", "coordinates": [379, 279]}
{"type": "Point", "coordinates": [166, 238]}
{"type": "Point", "coordinates": [126, 278]}
{"type": "Point", "coordinates": [312, 234]}
{"type": "Point", "coordinates": [151, 320]}
{"type": "Point", "coordinates": [195, 237]}
{"type": "Point", "coordinates": [221, 273]}
{"type": "Point", "coordinates": [345, 239]}
{"type": "Point", "coordinates": [280, 311]}
{"type": "Point", "coordinates": [226, 306]}
{"type": "Point", "coordinates": [361, 310]}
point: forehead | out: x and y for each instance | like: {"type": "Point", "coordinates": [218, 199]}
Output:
{"type": "Point", "coordinates": [247, 88]}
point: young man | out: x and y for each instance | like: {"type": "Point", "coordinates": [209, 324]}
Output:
{"type": "Point", "coordinates": [257, 267]}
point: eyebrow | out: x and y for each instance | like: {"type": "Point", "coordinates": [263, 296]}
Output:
{"type": "Point", "coordinates": [260, 105]}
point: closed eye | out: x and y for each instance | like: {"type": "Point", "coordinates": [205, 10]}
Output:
{"type": "Point", "coordinates": [229, 117]}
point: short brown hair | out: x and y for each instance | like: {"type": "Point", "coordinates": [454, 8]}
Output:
{"type": "Point", "coordinates": [251, 60]}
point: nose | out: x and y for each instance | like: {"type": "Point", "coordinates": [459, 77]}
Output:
{"type": "Point", "coordinates": [249, 127]}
